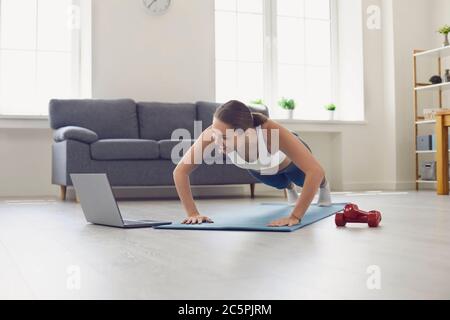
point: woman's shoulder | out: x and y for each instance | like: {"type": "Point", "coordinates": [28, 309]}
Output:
{"type": "Point", "coordinates": [207, 134]}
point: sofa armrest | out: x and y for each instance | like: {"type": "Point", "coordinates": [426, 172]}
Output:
{"type": "Point", "coordinates": [75, 133]}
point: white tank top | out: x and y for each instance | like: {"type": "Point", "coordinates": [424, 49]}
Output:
{"type": "Point", "coordinates": [266, 163]}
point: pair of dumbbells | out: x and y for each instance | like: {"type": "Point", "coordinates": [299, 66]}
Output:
{"type": "Point", "coordinates": [352, 214]}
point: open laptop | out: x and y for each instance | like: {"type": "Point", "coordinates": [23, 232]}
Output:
{"type": "Point", "coordinates": [99, 205]}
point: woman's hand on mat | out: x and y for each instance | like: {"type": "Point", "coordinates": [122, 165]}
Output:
{"type": "Point", "coordinates": [199, 219]}
{"type": "Point", "coordinates": [285, 222]}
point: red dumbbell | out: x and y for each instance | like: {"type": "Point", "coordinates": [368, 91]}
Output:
{"type": "Point", "coordinates": [352, 214]}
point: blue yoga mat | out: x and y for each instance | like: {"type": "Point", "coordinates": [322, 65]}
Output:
{"type": "Point", "coordinates": [258, 217]}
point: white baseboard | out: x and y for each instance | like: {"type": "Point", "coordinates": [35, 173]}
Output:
{"type": "Point", "coordinates": [379, 185]}
{"type": "Point", "coordinates": [197, 191]}
{"type": "Point", "coordinates": [229, 191]}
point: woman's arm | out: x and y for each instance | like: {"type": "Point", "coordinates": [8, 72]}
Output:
{"type": "Point", "coordinates": [303, 159]}
{"type": "Point", "coordinates": [190, 161]}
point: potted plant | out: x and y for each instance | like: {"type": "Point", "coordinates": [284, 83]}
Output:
{"type": "Point", "coordinates": [289, 106]}
{"type": "Point", "coordinates": [257, 102]}
{"type": "Point", "coordinates": [445, 30]}
{"type": "Point", "coordinates": [331, 108]}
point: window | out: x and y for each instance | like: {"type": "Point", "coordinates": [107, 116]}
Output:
{"type": "Point", "coordinates": [239, 50]}
{"type": "Point", "coordinates": [269, 49]}
{"type": "Point", "coordinates": [39, 54]}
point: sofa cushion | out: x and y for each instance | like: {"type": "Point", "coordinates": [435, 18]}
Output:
{"type": "Point", "coordinates": [210, 156]}
{"type": "Point", "coordinates": [125, 149]}
{"type": "Point", "coordinates": [109, 119]}
{"type": "Point", "coordinates": [75, 133]}
{"type": "Point", "coordinates": [166, 147]}
{"type": "Point", "coordinates": [206, 110]}
{"type": "Point", "coordinates": [157, 121]}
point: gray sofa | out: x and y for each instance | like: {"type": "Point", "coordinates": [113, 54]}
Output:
{"type": "Point", "coordinates": [131, 142]}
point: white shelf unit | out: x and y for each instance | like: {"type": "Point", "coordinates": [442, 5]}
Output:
{"type": "Point", "coordinates": [427, 181]}
{"type": "Point", "coordinates": [426, 122]}
{"type": "Point", "coordinates": [436, 53]}
{"type": "Point", "coordinates": [440, 86]}
{"type": "Point", "coordinates": [427, 151]}
{"type": "Point", "coordinates": [439, 54]}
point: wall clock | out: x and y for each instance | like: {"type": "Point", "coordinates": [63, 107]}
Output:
{"type": "Point", "coordinates": [157, 7]}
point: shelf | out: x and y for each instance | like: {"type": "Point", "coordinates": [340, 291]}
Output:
{"type": "Point", "coordinates": [427, 181]}
{"type": "Point", "coordinates": [427, 151]}
{"type": "Point", "coordinates": [425, 122]}
{"type": "Point", "coordinates": [440, 86]}
{"type": "Point", "coordinates": [439, 52]}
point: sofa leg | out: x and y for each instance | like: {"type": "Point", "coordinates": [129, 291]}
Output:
{"type": "Point", "coordinates": [252, 190]}
{"type": "Point", "coordinates": [62, 192]}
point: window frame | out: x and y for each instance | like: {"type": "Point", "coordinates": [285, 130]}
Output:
{"type": "Point", "coordinates": [270, 55]}
{"type": "Point", "coordinates": [80, 70]}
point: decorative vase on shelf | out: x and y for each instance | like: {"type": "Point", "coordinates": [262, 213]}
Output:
{"type": "Point", "coordinates": [331, 108]}
{"type": "Point", "coordinates": [290, 114]}
{"type": "Point", "coordinates": [445, 30]}
{"type": "Point", "coordinates": [331, 115]}
{"type": "Point", "coordinates": [447, 75]}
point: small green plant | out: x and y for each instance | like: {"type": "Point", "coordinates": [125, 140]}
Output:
{"type": "Point", "coordinates": [330, 107]}
{"type": "Point", "coordinates": [287, 104]}
{"type": "Point", "coordinates": [257, 102]}
{"type": "Point", "coordinates": [445, 30]}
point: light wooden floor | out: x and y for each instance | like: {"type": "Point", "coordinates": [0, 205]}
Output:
{"type": "Point", "coordinates": [48, 251]}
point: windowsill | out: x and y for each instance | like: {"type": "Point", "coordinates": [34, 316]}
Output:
{"type": "Point", "coordinates": [320, 126]}
{"type": "Point", "coordinates": [41, 122]}
{"type": "Point", "coordinates": [24, 122]}
{"type": "Point", "coordinates": [321, 122]}
{"type": "Point", "coordinates": [22, 117]}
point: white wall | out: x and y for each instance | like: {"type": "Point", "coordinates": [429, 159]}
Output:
{"type": "Point", "coordinates": [171, 58]}
{"type": "Point", "coordinates": [407, 13]}
{"type": "Point", "coordinates": [25, 158]}
{"type": "Point", "coordinates": [350, 61]}
{"type": "Point", "coordinates": [162, 58]}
